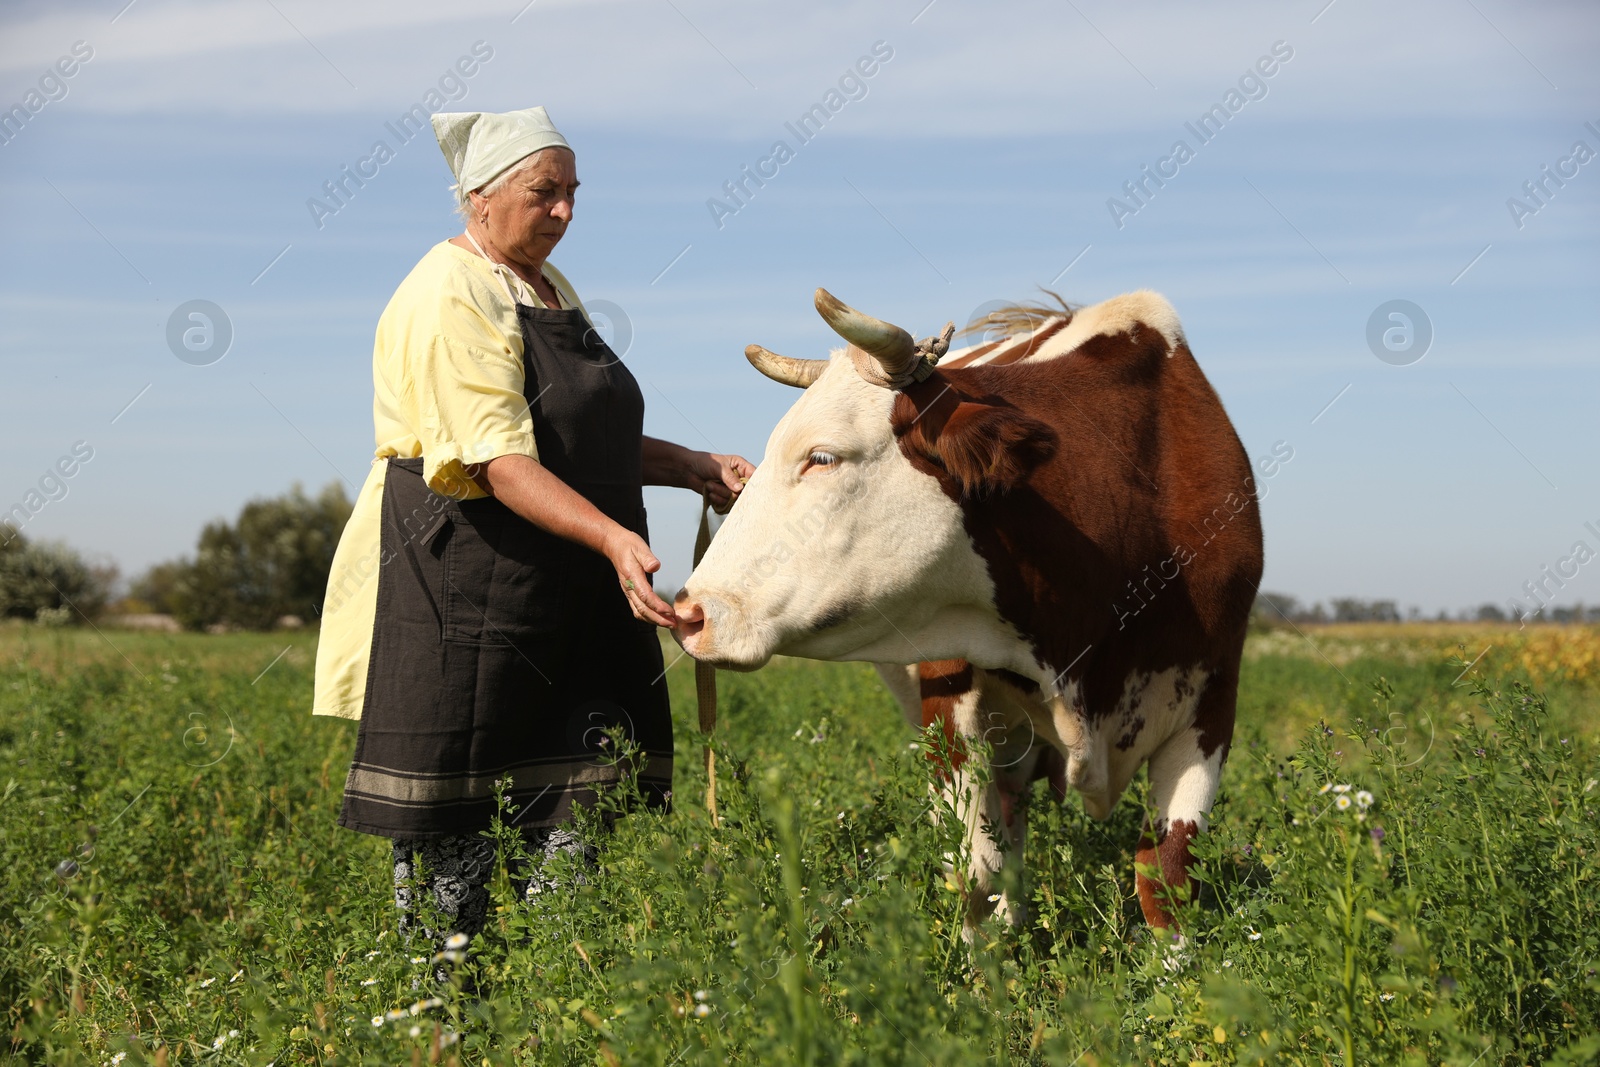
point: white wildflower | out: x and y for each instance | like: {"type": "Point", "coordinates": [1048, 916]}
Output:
{"type": "Point", "coordinates": [848, 901]}
{"type": "Point", "coordinates": [1364, 799]}
{"type": "Point", "coordinates": [118, 1058]}
{"type": "Point", "coordinates": [1325, 787]}
{"type": "Point", "coordinates": [206, 982]}
{"type": "Point", "coordinates": [993, 897]}
{"type": "Point", "coordinates": [456, 941]}
{"type": "Point", "coordinates": [415, 1031]}
{"type": "Point", "coordinates": [419, 959]}
{"type": "Point", "coordinates": [1254, 935]}
{"type": "Point", "coordinates": [702, 1010]}
{"type": "Point", "coordinates": [701, 995]}
{"type": "Point", "coordinates": [1343, 803]}
{"type": "Point", "coordinates": [1341, 789]}
{"type": "Point", "coordinates": [236, 976]}
{"type": "Point", "coordinates": [377, 1021]}
{"type": "Point", "coordinates": [369, 981]}
{"type": "Point", "coordinates": [371, 954]}
{"type": "Point", "coordinates": [1385, 996]}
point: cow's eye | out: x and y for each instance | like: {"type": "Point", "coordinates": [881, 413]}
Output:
{"type": "Point", "coordinates": [819, 459]}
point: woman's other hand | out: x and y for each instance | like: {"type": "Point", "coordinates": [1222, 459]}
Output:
{"type": "Point", "coordinates": [723, 475]}
{"type": "Point", "coordinates": [634, 563]}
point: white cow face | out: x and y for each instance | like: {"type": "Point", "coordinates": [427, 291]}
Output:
{"type": "Point", "coordinates": [837, 548]}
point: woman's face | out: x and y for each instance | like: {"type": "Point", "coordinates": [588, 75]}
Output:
{"type": "Point", "coordinates": [528, 215]}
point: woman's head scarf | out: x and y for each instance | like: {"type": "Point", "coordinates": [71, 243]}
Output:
{"type": "Point", "coordinates": [482, 145]}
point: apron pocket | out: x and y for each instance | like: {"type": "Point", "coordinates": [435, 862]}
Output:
{"type": "Point", "coordinates": [504, 578]}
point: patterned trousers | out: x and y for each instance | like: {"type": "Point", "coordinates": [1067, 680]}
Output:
{"type": "Point", "coordinates": [455, 874]}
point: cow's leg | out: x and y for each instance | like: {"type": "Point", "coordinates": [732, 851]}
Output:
{"type": "Point", "coordinates": [1184, 773]}
{"type": "Point", "coordinates": [988, 800]}
{"type": "Point", "coordinates": [903, 682]}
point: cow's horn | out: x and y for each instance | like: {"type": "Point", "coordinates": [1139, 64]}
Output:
{"type": "Point", "coordinates": [890, 346]}
{"type": "Point", "coordinates": [786, 369]}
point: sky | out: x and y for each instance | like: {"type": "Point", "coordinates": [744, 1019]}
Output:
{"type": "Point", "coordinates": [1371, 153]}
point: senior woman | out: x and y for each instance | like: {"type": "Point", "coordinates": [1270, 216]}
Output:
{"type": "Point", "coordinates": [489, 613]}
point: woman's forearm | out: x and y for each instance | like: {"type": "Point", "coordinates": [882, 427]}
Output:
{"type": "Point", "coordinates": [664, 463]}
{"type": "Point", "coordinates": [524, 485]}
{"type": "Point", "coordinates": [527, 487]}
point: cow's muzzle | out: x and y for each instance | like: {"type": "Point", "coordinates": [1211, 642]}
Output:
{"type": "Point", "coordinates": [703, 633]}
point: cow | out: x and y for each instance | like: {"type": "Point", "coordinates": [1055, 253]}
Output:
{"type": "Point", "coordinates": [1060, 534]}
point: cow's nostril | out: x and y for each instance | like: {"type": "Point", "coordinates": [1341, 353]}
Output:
{"type": "Point", "coordinates": [691, 619]}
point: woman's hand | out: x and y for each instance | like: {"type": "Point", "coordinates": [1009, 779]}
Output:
{"type": "Point", "coordinates": [724, 476]}
{"type": "Point", "coordinates": [634, 563]}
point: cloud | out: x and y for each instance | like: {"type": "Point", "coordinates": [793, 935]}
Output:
{"type": "Point", "coordinates": [736, 70]}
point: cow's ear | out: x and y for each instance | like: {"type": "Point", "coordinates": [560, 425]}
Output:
{"type": "Point", "coordinates": [990, 449]}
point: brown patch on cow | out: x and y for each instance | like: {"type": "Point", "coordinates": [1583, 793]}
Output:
{"type": "Point", "coordinates": [985, 448]}
{"type": "Point", "coordinates": [1169, 854]}
{"type": "Point", "coordinates": [1214, 714]}
{"type": "Point", "coordinates": [942, 683]}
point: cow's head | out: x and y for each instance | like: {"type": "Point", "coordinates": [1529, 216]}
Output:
{"type": "Point", "coordinates": [849, 542]}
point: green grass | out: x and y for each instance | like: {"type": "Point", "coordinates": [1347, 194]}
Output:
{"type": "Point", "coordinates": [170, 874]}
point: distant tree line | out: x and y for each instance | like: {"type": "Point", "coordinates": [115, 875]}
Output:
{"type": "Point", "coordinates": [267, 567]}
{"type": "Point", "coordinates": [271, 564]}
{"type": "Point", "coordinates": [1280, 609]}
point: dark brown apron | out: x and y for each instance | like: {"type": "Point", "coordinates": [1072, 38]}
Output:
{"type": "Point", "coordinates": [500, 650]}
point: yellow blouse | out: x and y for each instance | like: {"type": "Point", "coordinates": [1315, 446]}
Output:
{"type": "Point", "coordinates": [447, 386]}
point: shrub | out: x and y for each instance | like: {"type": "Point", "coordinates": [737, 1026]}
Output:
{"type": "Point", "coordinates": [48, 581]}
{"type": "Point", "coordinates": [273, 561]}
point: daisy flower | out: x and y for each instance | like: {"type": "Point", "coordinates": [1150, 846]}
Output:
{"type": "Point", "coordinates": [1343, 803]}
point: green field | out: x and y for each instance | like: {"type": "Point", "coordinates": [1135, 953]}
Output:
{"type": "Point", "coordinates": [174, 889]}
